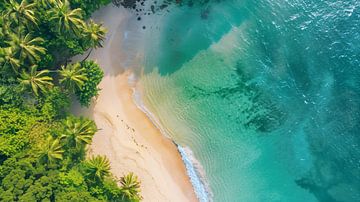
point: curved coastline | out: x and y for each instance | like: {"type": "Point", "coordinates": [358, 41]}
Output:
{"type": "Point", "coordinates": [193, 167]}
{"type": "Point", "coordinates": [198, 180]}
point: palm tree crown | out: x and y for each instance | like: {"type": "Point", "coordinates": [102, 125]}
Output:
{"type": "Point", "coordinates": [36, 80]}
{"type": "Point", "coordinates": [72, 76]}
{"type": "Point", "coordinates": [52, 150]}
{"type": "Point", "coordinates": [98, 167]}
{"type": "Point", "coordinates": [66, 18]}
{"type": "Point", "coordinates": [79, 132]}
{"type": "Point", "coordinates": [130, 186]}
{"type": "Point", "coordinates": [21, 13]}
{"type": "Point", "coordinates": [26, 47]}
{"type": "Point", "coordinates": [95, 34]}
{"type": "Point", "coordinates": [8, 58]}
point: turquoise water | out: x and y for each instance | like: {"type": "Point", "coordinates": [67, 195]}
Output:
{"type": "Point", "coordinates": [265, 93]}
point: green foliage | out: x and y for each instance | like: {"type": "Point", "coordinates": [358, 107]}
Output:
{"type": "Point", "coordinates": [15, 125]}
{"type": "Point", "coordinates": [46, 61]}
{"type": "Point", "coordinates": [52, 151]}
{"type": "Point", "coordinates": [73, 178]}
{"type": "Point", "coordinates": [78, 131]}
{"type": "Point", "coordinates": [107, 190]}
{"type": "Point", "coordinates": [67, 45]}
{"type": "Point", "coordinates": [29, 28]}
{"type": "Point", "coordinates": [20, 13]}
{"type": "Point", "coordinates": [88, 6]}
{"type": "Point", "coordinates": [8, 58]}
{"type": "Point", "coordinates": [54, 104]}
{"type": "Point", "coordinates": [36, 80]}
{"type": "Point", "coordinates": [10, 95]}
{"type": "Point", "coordinates": [65, 19]}
{"type": "Point", "coordinates": [90, 89]}
{"type": "Point", "coordinates": [76, 134]}
{"type": "Point", "coordinates": [130, 187]}
{"type": "Point", "coordinates": [41, 190]}
{"type": "Point", "coordinates": [26, 47]}
{"type": "Point", "coordinates": [41, 166]}
{"type": "Point", "coordinates": [72, 76]}
{"type": "Point", "coordinates": [94, 34]}
{"type": "Point", "coordinates": [42, 147]}
{"type": "Point", "coordinates": [98, 167]}
{"type": "Point", "coordinates": [76, 196]}
{"type": "Point", "coordinates": [2, 5]}
{"type": "Point", "coordinates": [23, 177]}
{"type": "Point", "coordinates": [17, 176]}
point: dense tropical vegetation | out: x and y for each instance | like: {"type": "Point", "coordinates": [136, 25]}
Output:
{"type": "Point", "coordinates": [43, 146]}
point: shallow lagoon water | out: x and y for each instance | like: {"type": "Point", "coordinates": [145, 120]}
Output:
{"type": "Point", "coordinates": [265, 93]}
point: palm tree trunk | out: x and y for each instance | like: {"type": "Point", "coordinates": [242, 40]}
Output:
{"type": "Point", "coordinates": [88, 55]}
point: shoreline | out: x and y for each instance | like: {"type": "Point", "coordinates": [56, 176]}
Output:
{"type": "Point", "coordinates": [198, 181]}
{"type": "Point", "coordinates": [127, 136]}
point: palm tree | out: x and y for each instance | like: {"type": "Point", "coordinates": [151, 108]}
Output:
{"type": "Point", "coordinates": [8, 58]}
{"type": "Point", "coordinates": [79, 132]}
{"type": "Point", "coordinates": [130, 186]}
{"type": "Point", "coordinates": [65, 18]}
{"type": "Point", "coordinates": [51, 151]}
{"type": "Point", "coordinates": [26, 47]}
{"type": "Point", "coordinates": [95, 33]}
{"type": "Point", "coordinates": [36, 80]}
{"type": "Point", "coordinates": [98, 167]}
{"type": "Point", "coordinates": [20, 13]}
{"type": "Point", "coordinates": [72, 76]}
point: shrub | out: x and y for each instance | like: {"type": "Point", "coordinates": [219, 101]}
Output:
{"type": "Point", "coordinates": [90, 89]}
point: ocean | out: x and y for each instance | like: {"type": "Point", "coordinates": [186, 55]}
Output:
{"type": "Point", "coordinates": [265, 94]}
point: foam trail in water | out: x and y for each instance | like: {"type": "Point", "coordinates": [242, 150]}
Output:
{"type": "Point", "coordinates": [196, 181]}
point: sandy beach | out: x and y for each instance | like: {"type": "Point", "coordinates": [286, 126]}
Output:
{"type": "Point", "coordinates": [127, 136]}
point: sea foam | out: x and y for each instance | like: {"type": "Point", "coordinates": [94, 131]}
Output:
{"type": "Point", "coordinates": [193, 167]}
